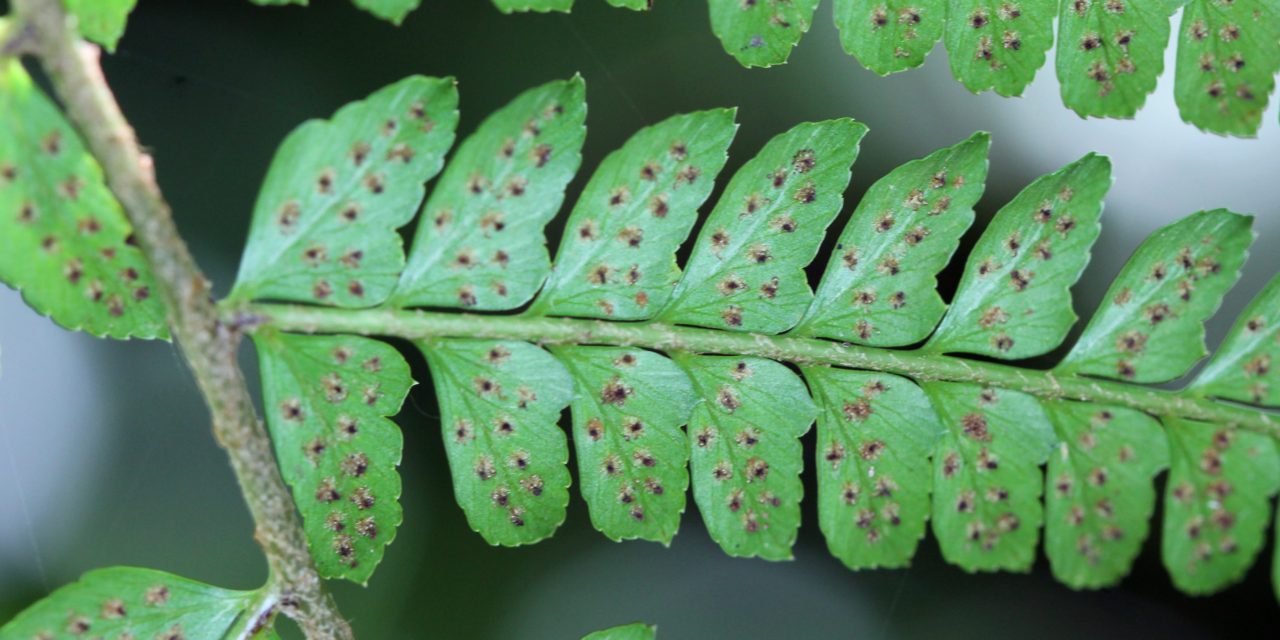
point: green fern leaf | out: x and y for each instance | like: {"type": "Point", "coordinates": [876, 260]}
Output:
{"type": "Point", "coordinates": [761, 34]}
{"type": "Point", "coordinates": [1228, 57]}
{"type": "Point", "coordinates": [888, 36]}
{"type": "Point", "coordinates": [632, 454]}
{"type": "Point", "coordinates": [326, 398]}
{"type": "Point", "coordinates": [499, 402]}
{"type": "Point", "coordinates": [541, 6]}
{"type": "Point", "coordinates": [617, 257]}
{"type": "Point", "coordinates": [875, 435]}
{"type": "Point", "coordinates": [998, 44]}
{"type": "Point", "coordinates": [633, 631]}
{"type": "Point", "coordinates": [65, 241]}
{"type": "Point", "coordinates": [1099, 493]}
{"type": "Point", "coordinates": [1150, 327]}
{"type": "Point", "coordinates": [885, 416]}
{"type": "Point", "coordinates": [101, 21]}
{"type": "Point", "coordinates": [126, 602]}
{"type": "Point", "coordinates": [324, 226]}
{"type": "Point", "coordinates": [879, 286]}
{"type": "Point", "coordinates": [987, 480]}
{"type": "Point", "coordinates": [1242, 369]}
{"type": "Point", "coordinates": [746, 270]}
{"type": "Point", "coordinates": [1014, 299]}
{"type": "Point", "coordinates": [480, 244]}
{"type": "Point", "coordinates": [745, 453]}
{"type": "Point", "coordinates": [1217, 503]}
{"type": "Point", "coordinates": [1110, 53]}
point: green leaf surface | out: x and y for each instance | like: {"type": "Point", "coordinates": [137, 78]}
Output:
{"type": "Point", "coordinates": [64, 240]}
{"type": "Point", "coordinates": [1243, 368]}
{"type": "Point", "coordinates": [1228, 56]}
{"type": "Point", "coordinates": [632, 455]}
{"type": "Point", "coordinates": [101, 21]}
{"type": "Point", "coordinates": [1110, 53]}
{"type": "Point", "coordinates": [998, 44]}
{"type": "Point", "coordinates": [499, 403]}
{"type": "Point", "coordinates": [324, 226]}
{"type": "Point", "coordinates": [746, 271]}
{"type": "Point", "coordinates": [392, 10]}
{"type": "Point", "coordinates": [745, 452]}
{"type": "Point", "coordinates": [1099, 493]}
{"type": "Point", "coordinates": [541, 6]}
{"type": "Point", "coordinates": [1217, 503]}
{"type": "Point", "coordinates": [875, 435]}
{"type": "Point", "coordinates": [633, 631]}
{"type": "Point", "coordinates": [1150, 326]}
{"type": "Point", "coordinates": [127, 602]}
{"type": "Point", "coordinates": [1014, 297]}
{"type": "Point", "coordinates": [635, 5]}
{"type": "Point", "coordinates": [761, 33]}
{"type": "Point", "coordinates": [326, 400]}
{"type": "Point", "coordinates": [617, 256]}
{"type": "Point", "coordinates": [480, 242]}
{"type": "Point", "coordinates": [880, 285]}
{"type": "Point", "coordinates": [888, 36]}
{"type": "Point", "coordinates": [987, 480]}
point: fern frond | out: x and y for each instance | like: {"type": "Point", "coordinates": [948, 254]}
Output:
{"type": "Point", "coordinates": [1109, 54]}
{"type": "Point", "coordinates": [905, 436]}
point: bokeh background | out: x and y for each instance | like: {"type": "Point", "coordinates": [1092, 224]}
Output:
{"type": "Point", "coordinates": [106, 455]}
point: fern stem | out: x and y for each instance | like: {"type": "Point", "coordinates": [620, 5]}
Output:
{"type": "Point", "coordinates": [413, 324]}
{"type": "Point", "coordinates": [208, 345]}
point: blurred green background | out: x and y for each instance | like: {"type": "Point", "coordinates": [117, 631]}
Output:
{"type": "Point", "coordinates": [106, 456]}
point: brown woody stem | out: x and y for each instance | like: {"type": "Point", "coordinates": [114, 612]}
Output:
{"type": "Point", "coordinates": [208, 345]}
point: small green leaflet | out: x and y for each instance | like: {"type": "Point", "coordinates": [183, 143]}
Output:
{"type": "Point", "coordinates": [888, 36]}
{"type": "Point", "coordinates": [633, 631]}
{"type": "Point", "coordinates": [326, 399]}
{"type": "Point", "coordinates": [1099, 492]}
{"type": "Point", "coordinates": [541, 6]}
{"type": "Point", "coordinates": [617, 256]}
{"type": "Point", "coordinates": [746, 271]}
{"type": "Point", "coordinates": [632, 455]}
{"type": "Point", "coordinates": [987, 480]}
{"type": "Point", "coordinates": [761, 33]}
{"type": "Point", "coordinates": [1014, 298]}
{"type": "Point", "coordinates": [1110, 53]}
{"type": "Point", "coordinates": [875, 435]}
{"type": "Point", "coordinates": [1243, 368]}
{"type": "Point", "coordinates": [129, 602]}
{"type": "Point", "coordinates": [480, 243]}
{"type": "Point", "coordinates": [64, 240]}
{"type": "Point", "coordinates": [324, 226]}
{"type": "Point", "coordinates": [101, 21]}
{"type": "Point", "coordinates": [880, 285]}
{"type": "Point", "coordinates": [745, 452]}
{"type": "Point", "coordinates": [392, 10]}
{"type": "Point", "coordinates": [1228, 57]}
{"type": "Point", "coordinates": [1217, 503]}
{"type": "Point", "coordinates": [635, 5]}
{"type": "Point", "coordinates": [499, 403]}
{"type": "Point", "coordinates": [998, 44]}
{"type": "Point", "coordinates": [1150, 326]}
